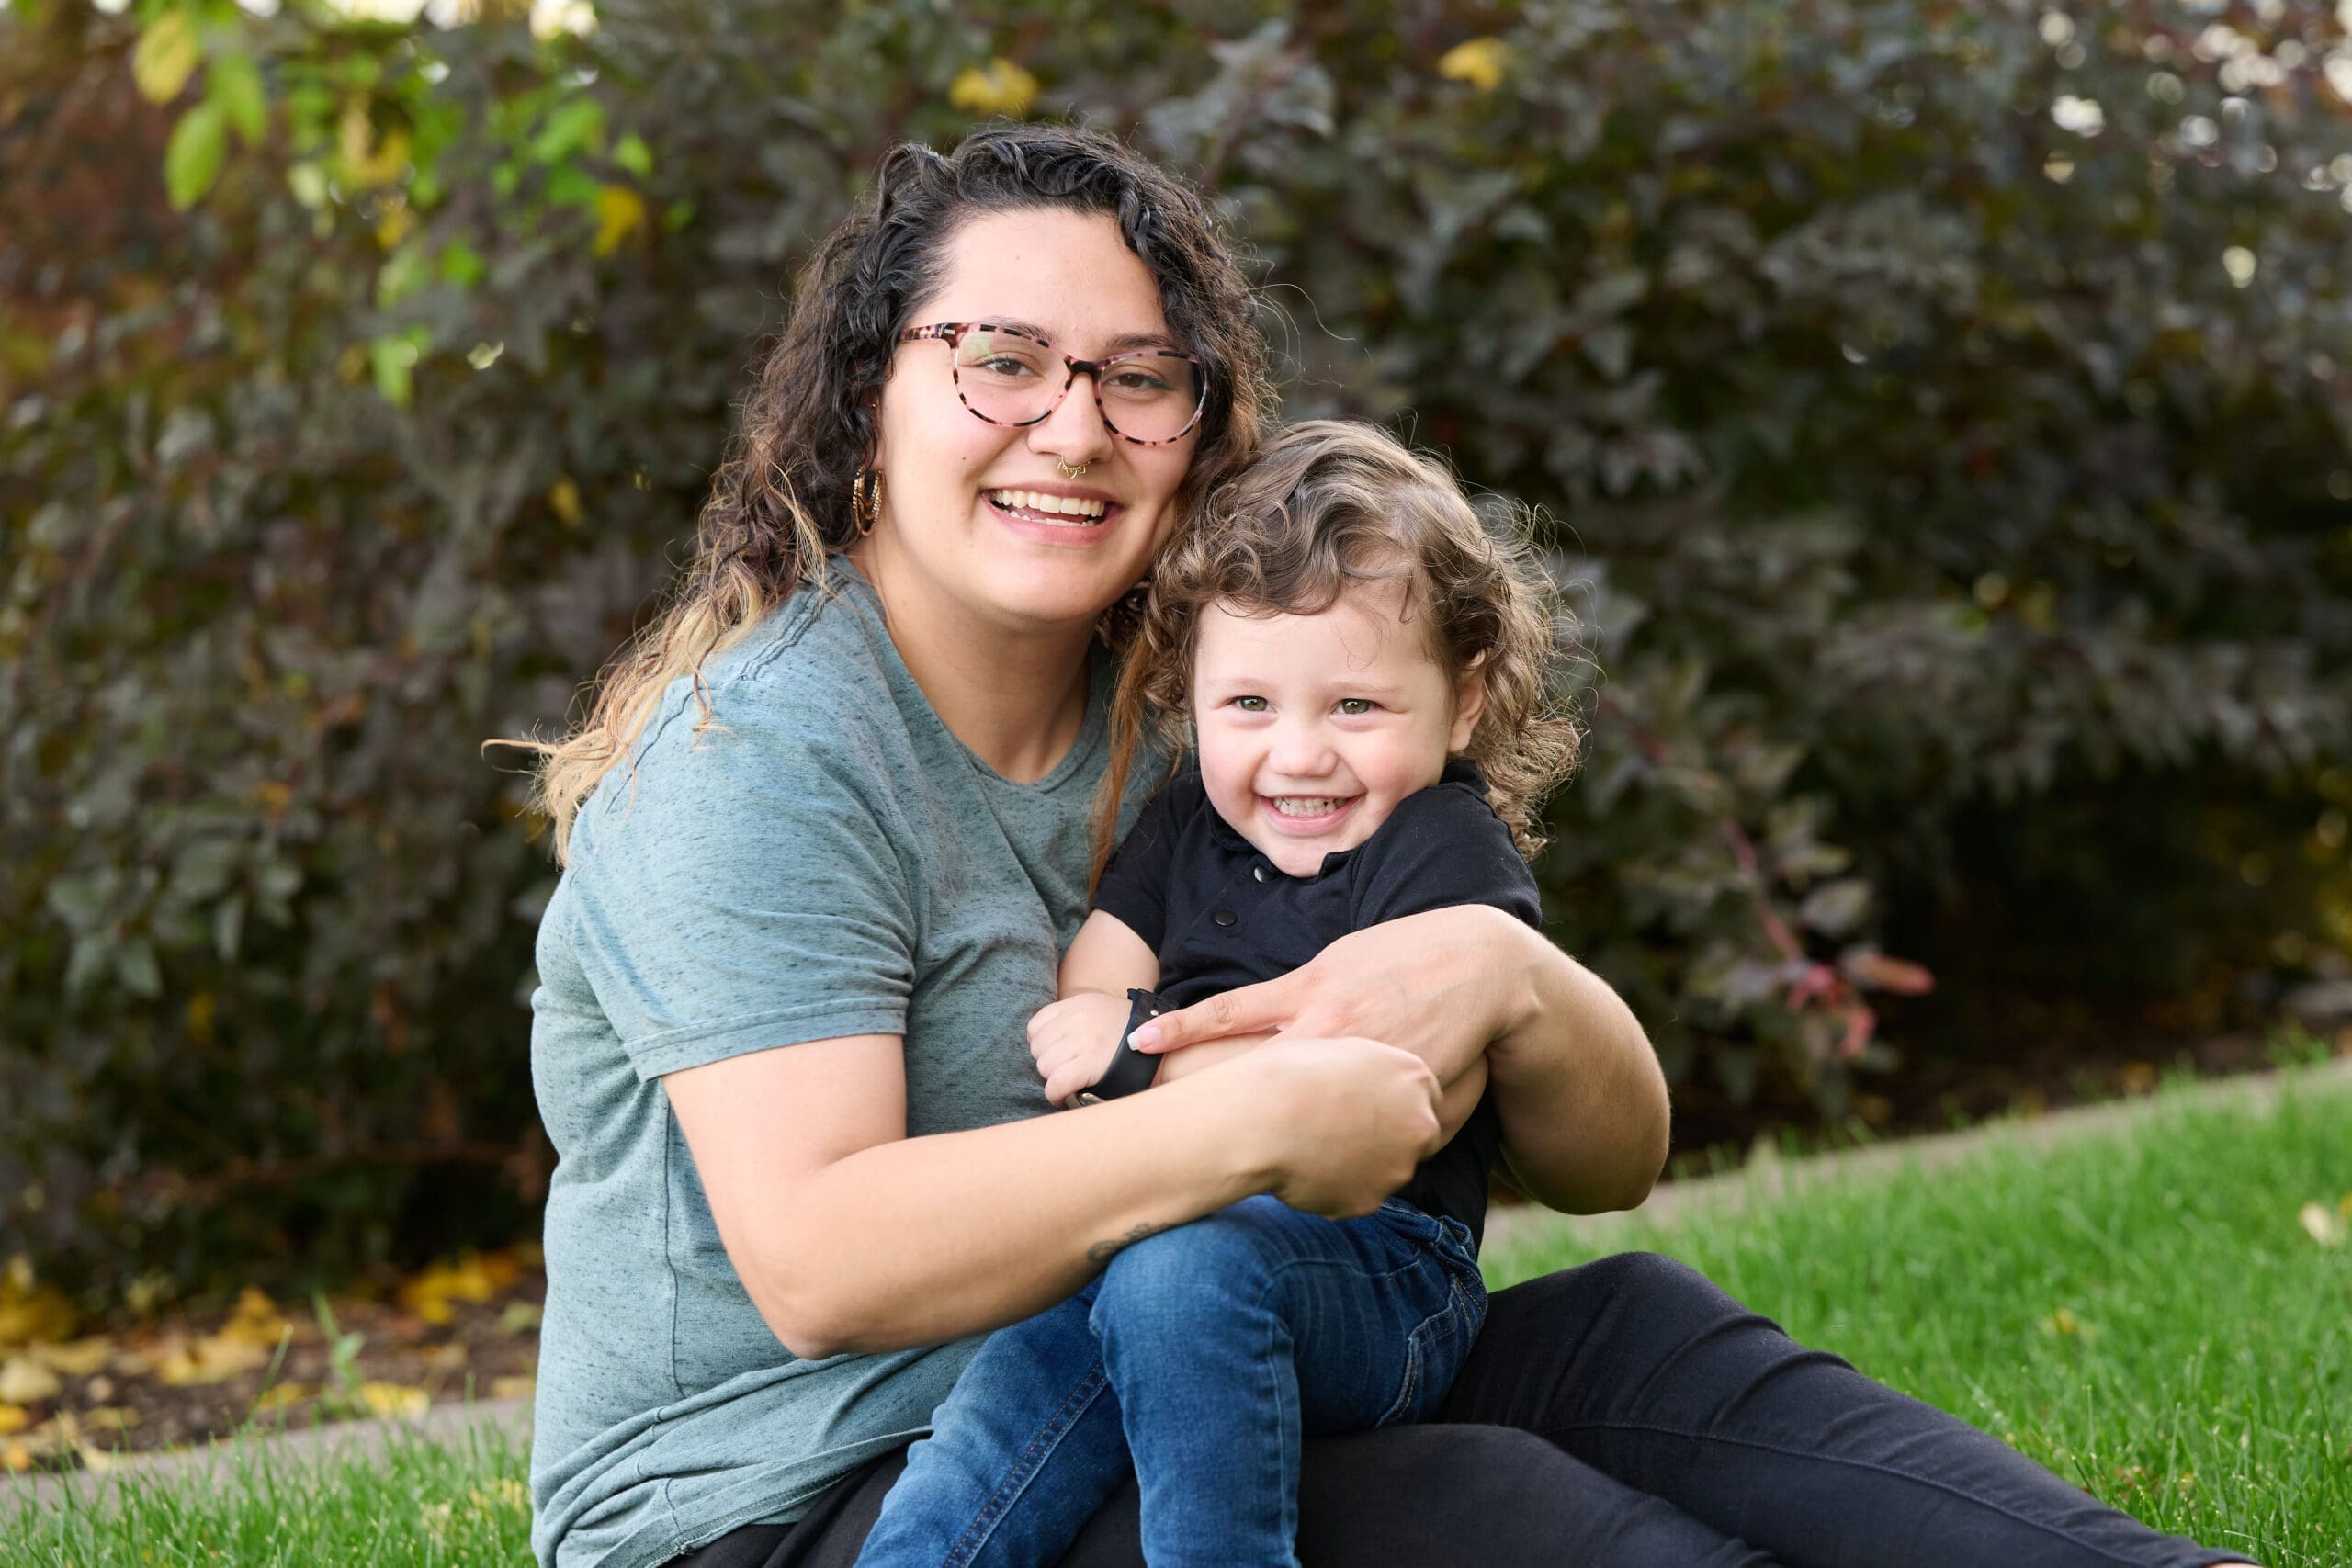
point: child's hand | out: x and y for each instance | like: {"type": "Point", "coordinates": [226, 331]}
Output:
{"type": "Point", "coordinates": [1074, 1040]}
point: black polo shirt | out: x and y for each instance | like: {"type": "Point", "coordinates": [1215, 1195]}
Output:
{"type": "Point", "coordinates": [1221, 915]}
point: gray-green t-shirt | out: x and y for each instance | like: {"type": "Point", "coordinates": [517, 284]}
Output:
{"type": "Point", "coordinates": [824, 859]}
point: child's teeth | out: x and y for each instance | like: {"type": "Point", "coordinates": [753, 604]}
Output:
{"type": "Point", "coordinates": [1305, 806]}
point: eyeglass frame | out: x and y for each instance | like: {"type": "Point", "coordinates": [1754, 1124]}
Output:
{"type": "Point", "coordinates": [952, 334]}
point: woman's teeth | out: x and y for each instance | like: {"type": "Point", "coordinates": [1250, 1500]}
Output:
{"type": "Point", "coordinates": [1305, 804]}
{"type": "Point", "coordinates": [1085, 508]}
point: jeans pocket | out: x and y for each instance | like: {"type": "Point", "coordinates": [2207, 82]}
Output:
{"type": "Point", "coordinates": [1434, 1352]}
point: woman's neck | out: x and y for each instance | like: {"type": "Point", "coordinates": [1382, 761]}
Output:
{"type": "Point", "coordinates": [1017, 699]}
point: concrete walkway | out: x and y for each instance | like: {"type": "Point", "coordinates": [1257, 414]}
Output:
{"type": "Point", "coordinates": [1765, 1177]}
{"type": "Point", "coordinates": [295, 1450]}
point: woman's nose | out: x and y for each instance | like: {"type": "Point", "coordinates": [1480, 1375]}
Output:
{"type": "Point", "coordinates": [1074, 432]}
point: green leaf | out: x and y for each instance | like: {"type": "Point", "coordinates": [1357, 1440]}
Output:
{"type": "Point", "coordinates": [631, 153]}
{"type": "Point", "coordinates": [575, 125]}
{"type": "Point", "coordinates": [135, 966]}
{"type": "Point", "coordinates": [192, 159]}
{"type": "Point", "coordinates": [461, 264]}
{"type": "Point", "coordinates": [392, 360]}
{"type": "Point", "coordinates": [235, 83]}
{"type": "Point", "coordinates": [403, 273]}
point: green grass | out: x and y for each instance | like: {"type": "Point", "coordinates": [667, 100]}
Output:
{"type": "Point", "coordinates": [415, 1504]}
{"type": "Point", "coordinates": [2143, 1311]}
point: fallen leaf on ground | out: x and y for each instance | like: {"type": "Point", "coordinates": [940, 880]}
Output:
{"type": "Point", "coordinates": [394, 1399]}
{"type": "Point", "coordinates": [2061, 1322]}
{"type": "Point", "coordinates": [278, 1396]}
{"type": "Point", "coordinates": [30, 1312]}
{"type": "Point", "coordinates": [215, 1357]}
{"type": "Point", "coordinates": [2321, 1225]}
{"type": "Point", "coordinates": [255, 1320]}
{"type": "Point", "coordinates": [477, 1277]}
{"type": "Point", "coordinates": [512, 1388]}
{"type": "Point", "coordinates": [521, 1318]}
{"type": "Point", "coordinates": [14, 1418]}
{"type": "Point", "coordinates": [76, 1358]}
{"type": "Point", "coordinates": [24, 1381]}
{"type": "Point", "coordinates": [17, 1456]}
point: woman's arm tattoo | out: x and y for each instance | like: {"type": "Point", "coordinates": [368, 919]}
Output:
{"type": "Point", "coordinates": [1103, 1251]}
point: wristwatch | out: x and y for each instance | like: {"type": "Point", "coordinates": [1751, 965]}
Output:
{"type": "Point", "coordinates": [1130, 1070]}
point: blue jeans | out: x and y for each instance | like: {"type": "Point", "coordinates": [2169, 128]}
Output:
{"type": "Point", "coordinates": [1196, 1362]}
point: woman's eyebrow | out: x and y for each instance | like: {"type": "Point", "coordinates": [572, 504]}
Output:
{"type": "Point", "coordinates": [1128, 341]}
{"type": "Point", "coordinates": [1125, 343]}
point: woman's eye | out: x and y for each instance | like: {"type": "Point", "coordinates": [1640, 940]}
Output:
{"type": "Point", "coordinates": [1356, 707]}
{"type": "Point", "coordinates": [1008, 368]}
{"type": "Point", "coordinates": [1251, 705]}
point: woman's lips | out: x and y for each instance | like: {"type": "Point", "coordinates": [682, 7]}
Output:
{"type": "Point", "coordinates": [1055, 527]}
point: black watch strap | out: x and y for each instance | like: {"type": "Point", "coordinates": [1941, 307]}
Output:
{"type": "Point", "coordinates": [1131, 1070]}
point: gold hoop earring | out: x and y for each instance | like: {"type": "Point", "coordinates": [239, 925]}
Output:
{"type": "Point", "coordinates": [866, 500]}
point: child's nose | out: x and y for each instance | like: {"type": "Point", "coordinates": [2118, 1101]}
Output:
{"type": "Point", "coordinates": [1301, 749]}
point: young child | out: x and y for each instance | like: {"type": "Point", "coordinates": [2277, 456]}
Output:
{"type": "Point", "coordinates": [1364, 670]}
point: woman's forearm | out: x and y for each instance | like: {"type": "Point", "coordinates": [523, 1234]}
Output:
{"type": "Point", "coordinates": [1582, 1100]}
{"type": "Point", "coordinates": [919, 1240]}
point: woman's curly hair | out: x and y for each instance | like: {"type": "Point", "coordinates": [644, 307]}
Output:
{"type": "Point", "coordinates": [1328, 504]}
{"type": "Point", "coordinates": [779, 507]}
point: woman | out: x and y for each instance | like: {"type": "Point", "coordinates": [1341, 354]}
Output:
{"type": "Point", "coordinates": [837, 802]}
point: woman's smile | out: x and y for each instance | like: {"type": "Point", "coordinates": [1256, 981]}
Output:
{"type": "Point", "coordinates": [1062, 515]}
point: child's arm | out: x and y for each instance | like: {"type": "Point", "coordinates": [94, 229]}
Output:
{"type": "Point", "coordinates": [1107, 956]}
{"type": "Point", "coordinates": [1073, 1039]}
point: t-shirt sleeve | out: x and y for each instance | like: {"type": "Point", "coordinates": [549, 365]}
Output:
{"type": "Point", "coordinates": [1443, 846]}
{"type": "Point", "coordinates": [741, 891]}
{"type": "Point", "coordinates": [1134, 889]}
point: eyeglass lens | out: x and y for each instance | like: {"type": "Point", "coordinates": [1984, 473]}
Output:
{"type": "Point", "coordinates": [1014, 379]}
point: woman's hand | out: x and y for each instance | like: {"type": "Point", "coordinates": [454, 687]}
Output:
{"type": "Point", "coordinates": [1074, 1040]}
{"type": "Point", "coordinates": [1441, 984]}
{"type": "Point", "coordinates": [1349, 1117]}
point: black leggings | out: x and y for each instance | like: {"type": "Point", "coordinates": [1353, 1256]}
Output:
{"type": "Point", "coordinates": [1627, 1414]}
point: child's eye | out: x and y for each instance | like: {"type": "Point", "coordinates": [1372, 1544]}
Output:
{"type": "Point", "coordinates": [1356, 707]}
{"type": "Point", "coordinates": [1251, 705]}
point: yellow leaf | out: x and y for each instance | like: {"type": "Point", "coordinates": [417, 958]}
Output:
{"type": "Point", "coordinates": [278, 1396]}
{"type": "Point", "coordinates": [24, 1381]}
{"type": "Point", "coordinates": [1001, 87]}
{"type": "Point", "coordinates": [167, 55]}
{"type": "Point", "coordinates": [394, 225]}
{"type": "Point", "coordinates": [397, 1400]}
{"type": "Point", "coordinates": [563, 499]}
{"type": "Point", "coordinates": [365, 162]}
{"type": "Point", "coordinates": [17, 1456]}
{"type": "Point", "coordinates": [1480, 63]}
{"type": "Point", "coordinates": [254, 1322]}
{"type": "Point", "coordinates": [518, 1387]}
{"type": "Point", "coordinates": [14, 1418]}
{"type": "Point", "coordinates": [2061, 1322]}
{"type": "Point", "coordinates": [78, 1358]}
{"type": "Point", "coordinates": [216, 1357]}
{"type": "Point", "coordinates": [30, 1312]}
{"type": "Point", "coordinates": [2322, 1224]}
{"type": "Point", "coordinates": [620, 212]}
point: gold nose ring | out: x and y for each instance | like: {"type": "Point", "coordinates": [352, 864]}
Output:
{"type": "Point", "coordinates": [1070, 470]}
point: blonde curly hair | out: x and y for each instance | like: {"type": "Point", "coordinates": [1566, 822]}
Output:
{"type": "Point", "coordinates": [1328, 504]}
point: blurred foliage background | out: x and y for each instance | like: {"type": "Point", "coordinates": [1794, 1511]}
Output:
{"type": "Point", "coordinates": [1939, 410]}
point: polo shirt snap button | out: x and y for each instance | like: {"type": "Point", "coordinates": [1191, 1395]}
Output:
{"type": "Point", "coordinates": [1258, 874]}
{"type": "Point", "coordinates": [1222, 917]}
